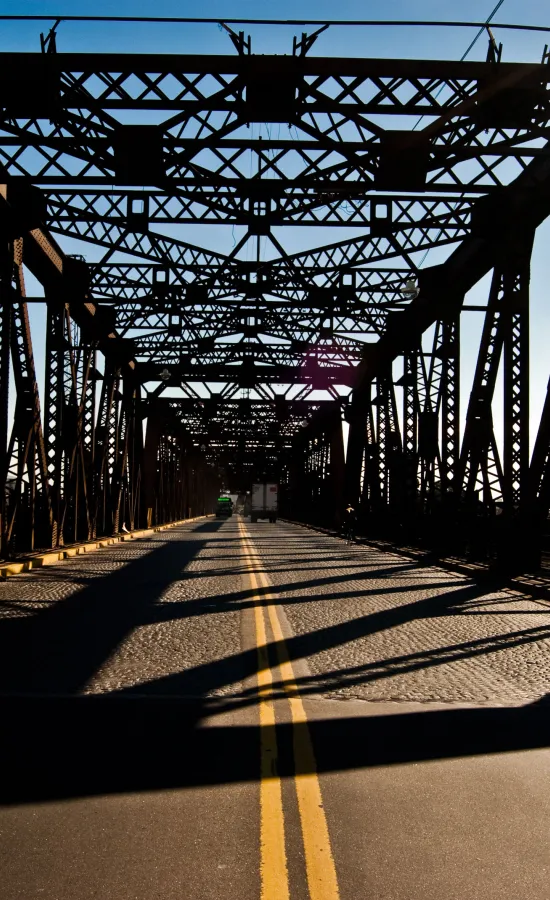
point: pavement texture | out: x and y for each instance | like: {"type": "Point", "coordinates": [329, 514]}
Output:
{"type": "Point", "coordinates": [132, 755]}
{"type": "Point", "coordinates": [376, 626]}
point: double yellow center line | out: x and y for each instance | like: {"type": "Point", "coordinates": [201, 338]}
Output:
{"type": "Point", "coordinates": [320, 868]}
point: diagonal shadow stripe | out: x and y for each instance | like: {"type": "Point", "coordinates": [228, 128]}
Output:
{"type": "Point", "coordinates": [61, 647]}
{"type": "Point", "coordinates": [211, 676]}
{"type": "Point", "coordinates": [120, 745]}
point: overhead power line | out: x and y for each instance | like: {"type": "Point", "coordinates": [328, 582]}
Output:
{"type": "Point", "coordinates": [386, 23]}
{"type": "Point", "coordinates": [462, 58]}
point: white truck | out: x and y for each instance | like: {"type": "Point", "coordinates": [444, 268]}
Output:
{"type": "Point", "coordinates": [264, 502]}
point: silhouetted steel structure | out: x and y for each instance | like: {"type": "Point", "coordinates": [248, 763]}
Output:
{"type": "Point", "coordinates": [251, 336]}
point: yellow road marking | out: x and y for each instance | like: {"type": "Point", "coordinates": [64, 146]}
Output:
{"type": "Point", "coordinates": [320, 867]}
{"type": "Point", "coordinates": [273, 864]}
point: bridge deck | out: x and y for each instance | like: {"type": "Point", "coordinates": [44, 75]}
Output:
{"type": "Point", "coordinates": [139, 687]}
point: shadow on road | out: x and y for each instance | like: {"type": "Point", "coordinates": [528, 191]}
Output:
{"type": "Point", "coordinates": [59, 648]}
{"type": "Point", "coordinates": [152, 736]}
{"type": "Point", "coordinates": [56, 748]}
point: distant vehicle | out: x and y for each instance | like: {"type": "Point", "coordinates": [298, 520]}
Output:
{"type": "Point", "coordinates": [264, 502]}
{"type": "Point", "coordinates": [224, 506]}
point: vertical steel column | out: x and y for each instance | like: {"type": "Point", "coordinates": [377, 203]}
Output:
{"type": "Point", "coordinates": [539, 488]}
{"type": "Point", "coordinates": [27, 450]}
{"type": "Point", "coordinates": [90, 412]}
{"type": "Point", "coordinates": [506, 325]}
{"type": "Point", "coordinates": [395, 448]}
{"type": "Point", "coordinates": [86, 398]}
{"type": "Point", "coordinates": [389, 443]}
{"type": "Point", "coordinates": [102, 518]}
{"type": "Point", "coordinates": [516, 386]}
{"type": "Point", "coordinates": [150, 465]}
{"type": "Point", "coordinates": [6, 299]}
{"type": "Point", "coordinates": [135, 460]}
{"type": "Point", "coordinates": [72, 504]}
{"type": "Point", "coordinates": [515, 540]}
{"type": "Point", "coordinates": [162, 461]}
{"type": "Point", "coordinates": [76, 519]}
{"type": "Point", "coordinates": [54, 411]}
{"type": "Point", "coordinates": [479, 455]}
{"type": "Point", "coordinates": [120, 457]}
{"type": "Point", "coordinates": [383, 439]}
{"type": "Point", "coordinates": [355, 456]}
{"type": "Point", "coordinates": [177, 482]}
{"type": "Point", "coordinates": [429, 399]}
{"type": "Point", "coordinates": [335, 453]}
{"type": "Point", "coordinates": [298, 474]}
{"type": "Point", "coordinates": [190, 465]}
{"type": "Point", "coordinates": [370, 499]}
{"type": "Point", "coordinates": [410, 402]}
{"type": "Point", "coordinates": [410, 430]}
{"type": "Point", "coordinates": [449, 404]}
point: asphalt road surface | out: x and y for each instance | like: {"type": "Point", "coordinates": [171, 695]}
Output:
{"type": "Point", "coordinates": [228, 710]}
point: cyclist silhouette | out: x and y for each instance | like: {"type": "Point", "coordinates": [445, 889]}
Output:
{"type": "Point", "coordinates": [349, 523]}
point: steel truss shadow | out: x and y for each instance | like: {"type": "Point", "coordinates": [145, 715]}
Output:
{"type": "Point", "coordinates": [58, 748]}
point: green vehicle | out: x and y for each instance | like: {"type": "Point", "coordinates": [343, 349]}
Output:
{"type": "Point", "coordinates": [224, 507]}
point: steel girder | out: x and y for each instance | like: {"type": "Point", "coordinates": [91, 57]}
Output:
{"type": "Point", "coordinates": [245, 439]}
{"type": "Point", "coordinates": [539, 472]}
{"type": "Point", "coordinates": [478, 136]}
{"type": "Point", "coordinates": [302, 300]}
{"type": "Point", "coordinates": [179, 480]}
{"type": "Point", "coordinates": [140, 210]}
{"type": "Point", "coordinates": [6, 295]}
{"type": "Point", "coordinates": [488, 492]}
{"type": "Point", "coordinates": [314, 481]}
{"type": "Point", "coordinates": [26, 475]}
{"type": "Point", "coordinates": [76, 472]}
{"type": "Point", "coordinates": [65, 107]}
{"type": "Point", "coordinates": [255, 320]}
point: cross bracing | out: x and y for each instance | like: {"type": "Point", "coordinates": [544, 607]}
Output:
{"type": "Point", "coordinates": [255, 230]}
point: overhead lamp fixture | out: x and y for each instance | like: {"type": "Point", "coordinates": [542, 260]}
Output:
{"type": "Point", "coordinates": [411, 289]}
{"type": "Point", "coordinates": [165, 375]}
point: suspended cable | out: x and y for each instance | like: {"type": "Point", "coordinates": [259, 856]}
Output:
{"type": "Point", "coordinates": [464, 55]}
{"type": "Point", "coordinates": [462, 58]}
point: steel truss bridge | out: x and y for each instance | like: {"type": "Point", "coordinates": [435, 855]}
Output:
{"type": "Point", "coordinates": [172, 368]}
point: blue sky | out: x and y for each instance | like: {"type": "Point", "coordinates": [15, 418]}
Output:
{"type": "Point", "coordinates": [442, 43]}
{"type": "Point", "coordinates": [421, 42]}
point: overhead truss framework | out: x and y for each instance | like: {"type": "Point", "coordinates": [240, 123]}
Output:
{"type": "Point", "coordinates": [334, 178]}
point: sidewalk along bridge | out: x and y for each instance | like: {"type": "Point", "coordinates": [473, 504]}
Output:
{"type": "Point", "coordinates": [173, 369]}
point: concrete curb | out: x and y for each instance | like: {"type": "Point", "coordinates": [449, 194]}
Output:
{"type": "Point", "coordinates": [52, 557]}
